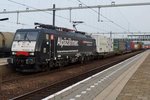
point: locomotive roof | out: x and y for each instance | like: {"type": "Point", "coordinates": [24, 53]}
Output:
{"type": "Point", "coordinates": [56, 30]}
{"type": "Point", "coordinates": [77, 34]}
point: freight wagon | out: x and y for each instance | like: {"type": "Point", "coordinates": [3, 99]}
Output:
{"type": "Point", "coordinates": [119, 46]}
{"type": "Point", "coordinates": [128, 45]}
{"type": "Point", "coordinates": [136, 45]}
{"type": "Point", "coordinates": [6, 39]}
{"type": "Point", "coordinates": [46, 47]}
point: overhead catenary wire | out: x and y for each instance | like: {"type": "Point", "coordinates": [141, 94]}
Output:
{"type": "Point", "coordinates": [34, 8]}
{"type": "Point", "coordinates": [90, 26]}
{"type": "Point", "coordinates": [122, 15]}
{"type": "Point", "coordinates": [86, 7]}
{"type": "Point", "coordinates": [51, 14]}
{"type": "Point", "coordinates": [103, 16]}
{"type": "Point", "coordinates": [6, 27]}
{"type": "Point", "coordinates": [129, 24]}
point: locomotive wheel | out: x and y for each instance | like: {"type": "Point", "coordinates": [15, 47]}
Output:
{"type": "Point", "coordinates": [82, 59]}
{"type": "Point", "coordinates": [50, 65]}
{"type": "Point", "coordinates": [43, 68]}
{"type": "Point", "coordinates": [38, 68]}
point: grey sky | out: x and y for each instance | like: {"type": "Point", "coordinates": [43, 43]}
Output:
{"type": "Point", "coordinates": [136, 18]}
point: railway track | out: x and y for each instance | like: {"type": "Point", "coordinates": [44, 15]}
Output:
{"type": "Point", "coordinates": [48, 90]}
{"type": "Point", "coordinates": [57, 84]}
{"type": "Point", "coordinates": [18, 76]}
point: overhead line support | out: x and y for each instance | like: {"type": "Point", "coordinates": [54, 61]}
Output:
{"type": "Point", "coordinates": [74, 8]}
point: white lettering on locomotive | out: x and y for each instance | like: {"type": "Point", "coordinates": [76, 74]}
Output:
{"type": "Point", "coordinates": [23, 46]}
{"type": "Point", "coordinates": [67, 42]}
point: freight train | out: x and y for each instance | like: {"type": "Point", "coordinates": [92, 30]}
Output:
{"type": "Point", "coordinates": [6, 39]}
{"type": "Point", "coordinates": [46, 47]}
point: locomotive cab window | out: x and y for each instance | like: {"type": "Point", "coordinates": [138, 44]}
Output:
{"type": "Point", "coordinates": [26, 36]}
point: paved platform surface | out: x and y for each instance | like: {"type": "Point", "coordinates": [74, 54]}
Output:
{"type": "Point", "coordinates": [138, 87]}
{"type": "Point", "coordinates": [105, 85]}
{"type": "Point", "coordinates": [133, 84]}
{"type": "Point", "coordinates": [3, 61]}
{"type": "Point", "coordinates": [4, 68]}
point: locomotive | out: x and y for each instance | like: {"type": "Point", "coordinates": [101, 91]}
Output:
{"type": "Point", "coordinates": [48, 46]}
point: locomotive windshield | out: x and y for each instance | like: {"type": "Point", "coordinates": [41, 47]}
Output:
{"type": "Point", "coordinates": [29, 36]}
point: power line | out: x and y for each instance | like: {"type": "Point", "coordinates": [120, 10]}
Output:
{"type": "Point", "coordinates": [103, 16]}
{"type": "Point", "coordinates": [122, 15]}
{"type": "Point", "coordinates": [19, 23]}
{"type": "Point", "coordinates": [94, 27]}
{"type": "Point", "coordinates": [82, 7]}
{"type": "Point", "coordinates": [49, 13]}
{"type": "Point", "coordinates": [34, 8]}
{"type": "Point", "coordinates": [129, 25]}
{"type": "Point", "coordinates": [91, 25]}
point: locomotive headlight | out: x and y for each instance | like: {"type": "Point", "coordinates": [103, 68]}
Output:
{"type": "Point", "coordinates": [32, 53]}
{"type": "Point", "coordinates": [13, 53]}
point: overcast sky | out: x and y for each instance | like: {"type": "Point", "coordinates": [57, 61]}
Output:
{"type": "Point", "coordinates": [135, 19]}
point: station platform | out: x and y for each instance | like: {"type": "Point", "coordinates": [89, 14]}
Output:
{"type": "Point", "coordinates": [128, 80]}
{"type": "Point", "coordinates": [133, 84]}
{"type": "Point", "coordinates": [138, 87]}
{"type": "Point", "coordinates": [3, 61]}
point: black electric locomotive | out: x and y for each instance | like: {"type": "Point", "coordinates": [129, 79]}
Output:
{"type": "Point", "coordinates": [47, 46]}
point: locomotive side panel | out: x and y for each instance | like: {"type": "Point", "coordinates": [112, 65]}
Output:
{"type": "Point", "coordinates": [73, 45]}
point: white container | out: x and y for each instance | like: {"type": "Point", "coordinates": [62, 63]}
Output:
{"type": "Point", "coordinates": [103, 43]}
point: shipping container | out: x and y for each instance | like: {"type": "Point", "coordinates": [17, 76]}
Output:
{"type": "Point", "coordinates": [136, 45]}
{"type": "Point", "coordinates": [103, 44]}
{"type": "Point", "coordinates": [132, 45]}
{"type": "Point", "coordinates": [128, 46]}
{"type": "Point", "coordinates": [119, 45]}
